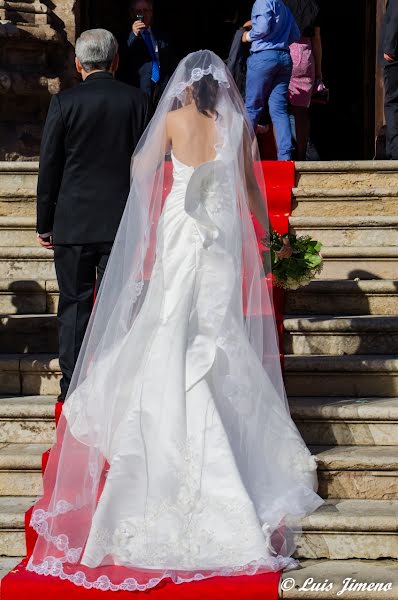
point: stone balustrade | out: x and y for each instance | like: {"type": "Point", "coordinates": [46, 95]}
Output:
{"type": "Point", "coordinates": [35, 12]}
{"type": "Point", "coordinates": [22, 84]}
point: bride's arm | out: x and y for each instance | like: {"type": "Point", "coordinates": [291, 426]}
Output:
{"type": "Point", "coordinates": [255, 196]}
{"type": "Point", "coordinates": [168, 137]}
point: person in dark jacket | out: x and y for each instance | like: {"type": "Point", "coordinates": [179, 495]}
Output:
{"type": "Point", "coordinates": [151, 61]}
{"type": "Point", "coordinates": [89, 137]}
{"type": "Point", "coordinates": [237, 61]}
{"type": "Point", "coordinates": [390, 55]}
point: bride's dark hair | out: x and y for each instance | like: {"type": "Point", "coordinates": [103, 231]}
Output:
{"type": "Point", "coordinates": [204, 93]}
{"type": "Point", "coordinates": [199, 67]}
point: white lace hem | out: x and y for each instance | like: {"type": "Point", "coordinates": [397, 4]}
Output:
{"type": "Point", "coordinates": [52, 566]}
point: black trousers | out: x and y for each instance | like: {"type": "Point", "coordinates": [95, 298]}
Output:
{"type": "Point", "coordinates": [391, 108]}
{"type": "Point", "coordinates": [79, 272]}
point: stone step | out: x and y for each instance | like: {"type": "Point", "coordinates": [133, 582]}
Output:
{"type": "Point", "coordinates": [359, 262]}
{"type": "Point", "coordinates": [342, 376]}
{"type": "Point", "coordinates": [346, 421]}
{"type": "Point", "coordinates": [360, 472]}
{"type": "Point", "coordinates": [324, 297]}
{"type": "Point", "coordinates": [19, 176]}
{"type": "Point", "coordinates": [341, 335]}
{"type": "Point", "coordinates": [348, 231]}
{"type": "Point", "coordinates": [343, 202]}
{"type": "Point", "coordinates": [17, 204]}
{"type": "Point", "coordinates": [344, 297]}
{"type": "Point", "coordinates": [347, 174]}
{"type": "Point", "coordinates": [18, 231]}
{"type": "Point", "coordinates": [356, 376]}
{"type": "Point", "coordinates": [346, 529]}
{"type": "Point", "coordinates": [26, 263]}
{"type": "Point", "coordinates": [328, 579]}
{"type": "Point", "coordinates": [29, 333]}
{"type": "Point", "coordinates": [12, 524]}
{"type": "Point", "coordinates": [20, 469]}
{"type": "Point", "coordinates": [341, 262]}
{"type": "Point", "coordinates": [27, 420]}
{"type": "Point", "coordinates": [28, 296]}
{"type": "Point", "coordinates": [331, 231]}
{"type": "Point", "coordinates": [339, 529]}
{"type": "Point", "coordinates": [18, 188]}
{"type": "Point", "coordinates": [334, 421]}
{"type": "Point", "coordinates": [29, 374]}
{"type": "Point", "coordinates": [8, 564]}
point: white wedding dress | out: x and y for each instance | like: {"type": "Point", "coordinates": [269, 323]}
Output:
{"type": "Point", "coordinates": [206, 473]}
{"type": "Point", "coordinates": [197, 512]}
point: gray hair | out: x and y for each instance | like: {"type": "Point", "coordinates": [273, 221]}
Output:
{"type": "Point", "coordinates": [134, 3]}
{"type": "Point", "coordinates": [96, 49]}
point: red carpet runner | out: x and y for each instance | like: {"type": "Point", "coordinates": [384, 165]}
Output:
{"type": "Point", "coordinates": [21, 584]}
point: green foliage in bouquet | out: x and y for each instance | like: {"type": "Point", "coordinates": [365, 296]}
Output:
{"type": "Point", "coordinates": [298, 270]}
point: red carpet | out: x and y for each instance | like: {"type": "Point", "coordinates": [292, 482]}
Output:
{"type": "Point", "coordinates": [279, 180]}
{"type": "Point", "coordinates": [21, 584]}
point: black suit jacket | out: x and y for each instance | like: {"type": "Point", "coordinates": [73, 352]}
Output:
{"type": "Point", "coordinates": [90, 133]}
{"type": "Point", "coordinates": [389, 37]}
{"type": "Point", "coordinates": [139, 62]}
{"type": "Point", "coordinates": [237, 61]}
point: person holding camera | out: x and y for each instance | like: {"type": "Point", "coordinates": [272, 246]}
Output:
{"type": "Point", "coordinates": [151, 59]}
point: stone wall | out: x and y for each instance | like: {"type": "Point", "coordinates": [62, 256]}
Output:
{"type": "Point", "coordinates": [36, 58]}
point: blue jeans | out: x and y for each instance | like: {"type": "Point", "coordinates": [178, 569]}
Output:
{"type": "Point", "coordinates": [268, 76]}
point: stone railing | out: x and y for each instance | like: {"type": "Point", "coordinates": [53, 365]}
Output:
{"type": "Point", "coordinates": [34, 12]}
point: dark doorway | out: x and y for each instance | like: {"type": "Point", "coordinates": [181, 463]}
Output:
{"type": "Point", "coordinates": [191, 25]}
{"type": "Point", "coordinates": [344, 129]}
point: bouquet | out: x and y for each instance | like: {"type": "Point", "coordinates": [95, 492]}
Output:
{"type": "Point", "coordinates": [298, 270]}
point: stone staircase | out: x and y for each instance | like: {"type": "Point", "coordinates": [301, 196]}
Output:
{"type": "Point", "coordinates": [341, 345]}
{"type": "Point", "coordinates": [28, 375]}
{"type": "Point", "coordinates": [341, 341]}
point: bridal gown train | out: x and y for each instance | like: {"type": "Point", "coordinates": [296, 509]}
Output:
{"type": "Point", "coordinates": [176, 454]}
{"type": "Point", "coordinates": [178, 494]}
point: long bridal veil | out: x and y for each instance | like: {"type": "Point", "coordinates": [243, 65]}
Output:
{"type": "Point", "coordinates": [274, 465]}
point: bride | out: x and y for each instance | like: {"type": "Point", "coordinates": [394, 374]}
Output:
{"type": "Point", "coordinates": [176, 455]}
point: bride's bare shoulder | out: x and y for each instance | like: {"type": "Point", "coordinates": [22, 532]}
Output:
{"type": "Point", "coordinates": [178, 112]}
{"type": "Point", "coordinates": [178, 116]}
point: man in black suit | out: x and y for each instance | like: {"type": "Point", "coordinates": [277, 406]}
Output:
{"type": "Point", "coordinates": [390, 54]}
{"type": "Point", "coordinates": [84, 180]}
{"type": "Point", "coordinates": [150, 61]}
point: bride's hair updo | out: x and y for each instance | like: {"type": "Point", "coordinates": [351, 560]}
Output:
{"type": "Point", "coordinates": [204, 94]}
{"type": "Point", "coordinates": [200, 68]}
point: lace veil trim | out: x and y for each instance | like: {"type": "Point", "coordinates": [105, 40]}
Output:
{"type": "Point", "coordinates": [197, 74]}
{"type": "Point", "coordinates": [54, 567]}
